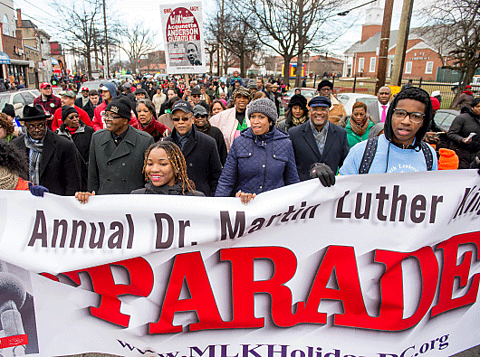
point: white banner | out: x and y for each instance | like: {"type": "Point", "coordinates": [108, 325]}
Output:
{"type": "Point", "coordinates": [377, 265]}
{"type": "Point", "coordinates": [182, 26]}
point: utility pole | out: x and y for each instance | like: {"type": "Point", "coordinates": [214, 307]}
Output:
{"type": "Point", "coordinates": [402, 41]}
{"type": "Point", "coordinates": [107, 67]}
{"type": "Point", "coordinates": [384, 40]}
{"type": "Point", "coordinates": [222, 67]}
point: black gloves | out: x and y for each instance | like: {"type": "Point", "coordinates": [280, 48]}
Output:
{"type": "Point", "coordinates": [324, 173]}
{"type": "Point", "coordinates": [37, 190]}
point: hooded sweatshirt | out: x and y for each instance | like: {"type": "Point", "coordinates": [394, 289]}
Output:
{"type": "Point", "coordinates": [97, 116]}
{"type": "Point", "coordinates": [389, 156]}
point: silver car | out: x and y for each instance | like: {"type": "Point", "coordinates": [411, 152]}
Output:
{"type": "Point", "coordinates": [19, 99]}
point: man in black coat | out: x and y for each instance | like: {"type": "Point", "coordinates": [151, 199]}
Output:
{"type": "Point", "coordinates": [318, 140]}
{"type": "Point", "coordinates": [200, 150]}
{"type": "Point", "coordinates": [203, 125]}
{"type": "Point", "coordinates": [117, 152]}
{"type": "Point", "coordinates": [53, 160]}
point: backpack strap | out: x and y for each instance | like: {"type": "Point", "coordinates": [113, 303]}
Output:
{"type": "Point", "coordinates": [368, 155]}
{"type": "Point", "coordinates": [428, 155]}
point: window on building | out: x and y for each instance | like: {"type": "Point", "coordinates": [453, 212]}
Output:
{"type": "Point", "coordinates": [429, 67]}
{"type": "Point", "coordinates": [408, 67]}
{"type": "Point", "coordinates": [6, 25]}
{"type": "Point", "coordinates": [373, 62]}
{"type": "Point", "coordinates": [361, 64]}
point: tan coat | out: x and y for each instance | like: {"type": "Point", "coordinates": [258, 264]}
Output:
{"type": "Point", "coordinates": [337, 111]}
{"type": "Point", "coordinates": [227, 123]}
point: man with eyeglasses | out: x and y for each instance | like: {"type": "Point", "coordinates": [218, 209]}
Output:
{"type": "Point", "coordinates": [336, 111]}
{"type": "Point", "coordinates": [401, 148]}
{"type": "Point", "coordinates": [53, 161]}
{"type": "Point", "coordinates": [117, 152]}
{"type": "Point", "coordinates": [318, 141]}
{"type": "Point", "coordinates": [200, 150]}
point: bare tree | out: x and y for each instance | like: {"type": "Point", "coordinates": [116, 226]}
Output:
{"type": "Point", "coordinates": [236, 35]}
{"type": "Point", "coordinates": [456, 28]}
{"type": "Point", "coordinates": [137, 42]}
{"type": "Point", "coordinates": [211, 48]}
{"type": "Point", "coordinates": [289, 27]}
{"type": "Point", "coordinates": [77, 25]}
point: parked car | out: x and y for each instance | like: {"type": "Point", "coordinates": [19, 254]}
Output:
{"type": "Point", "coordinates": [348, 99]}
{"type": "Point", "coordinates": [91, 85]}
{"type": "Point", "coordinates": [306, 92]}
{"type": "Point", "coordinates": [444, 117]}
{"type": "Point", "coordinates": [19, 99]}
{"type": "Point", "coordinates": [125, 77]}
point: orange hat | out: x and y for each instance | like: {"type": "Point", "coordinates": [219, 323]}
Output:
{"type": "Point", "coordinates": [448, 160]}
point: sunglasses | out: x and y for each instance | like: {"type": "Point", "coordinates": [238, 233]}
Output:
{"type": "Point", "coordinates": [182, 119]}
{"type": "Point", "coordinates": [201, 116]}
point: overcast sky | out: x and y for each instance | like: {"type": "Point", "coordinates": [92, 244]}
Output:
{"type": "Point", "coordinates": [147, 12]}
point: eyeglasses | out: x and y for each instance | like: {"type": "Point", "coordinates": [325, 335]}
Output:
{"type": "Point", "coordinates": [107, 117]}
{"type": "Point", "coordinates": [195, 96]}
{"type": "Point", "coordinates": [183, 118]}
{"type": "Point", "coordinates": [201, 116]}
{"type": "Point", "coordinates": [40, 126]}
{"type": "Point", "coordinates": [414, 116]}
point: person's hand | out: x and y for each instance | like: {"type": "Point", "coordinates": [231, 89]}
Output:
{"type": "Point", "coordinates": [431, 137]}
{"type": "Point", "coordinates": [324, 173]}
{"type": "Point", "coordinates": [83, 197]}
{"type": "Point", "coordinates": [245, 197]}
{"type": "Point", "coordinates": [37, 190]}
{"type": "Point", "coordinates": [467, 140]}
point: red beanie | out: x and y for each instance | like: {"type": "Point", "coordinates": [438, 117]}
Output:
{"type": "Point", "coordinates": [448, 160]}
{"type": "Point", "coordinates": [435, 103]}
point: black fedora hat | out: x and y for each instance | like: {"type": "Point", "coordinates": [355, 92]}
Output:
{"type": "Point", "coordinates": [33, 112]}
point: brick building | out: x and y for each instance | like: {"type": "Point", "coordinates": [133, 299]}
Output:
{"type": "Point", "coordinates": [421, 61]}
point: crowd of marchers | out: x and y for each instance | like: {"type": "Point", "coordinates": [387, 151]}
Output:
{"type": "Point", "coordinates": [201, 137]}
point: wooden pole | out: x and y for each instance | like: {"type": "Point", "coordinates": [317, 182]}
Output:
{"type": "Point", "coordinates": [384, 40]}
{"type": "Point", "coordinates": [402, 41]}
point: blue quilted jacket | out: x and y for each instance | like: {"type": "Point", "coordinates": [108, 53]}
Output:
{"type": "Point", "coordinates": [257, 164]}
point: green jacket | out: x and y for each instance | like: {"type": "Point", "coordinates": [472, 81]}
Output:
{"type": "Point", "coordinates": [353, 138]}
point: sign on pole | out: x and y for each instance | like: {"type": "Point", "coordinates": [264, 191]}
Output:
{"type": "Point", "coordinates": [182, 26]}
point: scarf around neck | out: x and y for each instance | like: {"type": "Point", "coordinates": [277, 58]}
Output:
{"type": "Point", "coordinates": [35, 155]}
{"type": "Point", "coordinates": [361, 128]}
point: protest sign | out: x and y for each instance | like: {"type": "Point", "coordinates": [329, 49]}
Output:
{"type": "Point", "coordinates": [182, 26]}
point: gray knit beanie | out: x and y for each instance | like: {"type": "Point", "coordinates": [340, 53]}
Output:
{"type": "Point", "coordinates": [264, 106]}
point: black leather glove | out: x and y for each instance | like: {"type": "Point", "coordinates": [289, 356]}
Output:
{"type": "Point", "coordinates": [324, 173]}
{"type": "Point", "coordinates": [37, 190]}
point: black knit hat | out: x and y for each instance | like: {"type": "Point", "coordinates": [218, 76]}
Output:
{"type": "Point", "coordinates": [67, 110]}
{"type": "Point", "coordinates": [120, 106]}
{"type": "Point", "coordinates": [324, 83]}
{"type": "Point", "coordinates": [9, 110]}
{"type": "Point", "coordinates": [300, 100]}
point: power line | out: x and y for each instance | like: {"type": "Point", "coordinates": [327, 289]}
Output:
{"type": "Point", "coordinates": [22, 13]}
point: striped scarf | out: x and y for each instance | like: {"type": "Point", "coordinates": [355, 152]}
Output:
{"type": "Point", "coordinates": [35, 155]}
